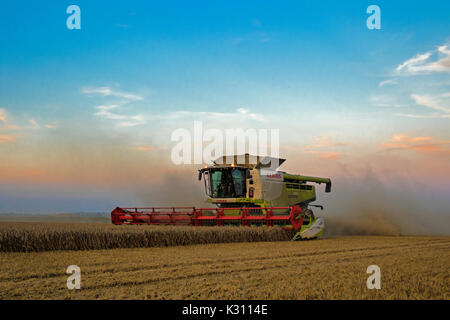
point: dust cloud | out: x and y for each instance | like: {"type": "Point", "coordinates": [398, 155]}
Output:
{"type": "Point", "coordinates": [176, 188]}
{"type": "Point", "coordinates": [370, 207]}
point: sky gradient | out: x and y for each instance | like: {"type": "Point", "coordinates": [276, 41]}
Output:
{"type": "Point", "coordinates": [86, 115]}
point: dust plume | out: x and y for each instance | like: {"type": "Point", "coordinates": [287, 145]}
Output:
{"type": "Point", "coordinates": [369, 206]}
{"type": "Point", "coordinates": [176, 188]}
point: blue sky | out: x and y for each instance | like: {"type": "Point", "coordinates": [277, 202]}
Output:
{"type": "Point", "coordinates": [201, 54]}
{"type": "Point", "coordinates": [302, 65]}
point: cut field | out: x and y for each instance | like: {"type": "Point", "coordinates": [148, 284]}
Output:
{"type": "Point", "coordinates": [331, 268]}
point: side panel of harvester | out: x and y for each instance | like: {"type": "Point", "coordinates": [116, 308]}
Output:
{"type": "Point", "coordinates": [277, 191]}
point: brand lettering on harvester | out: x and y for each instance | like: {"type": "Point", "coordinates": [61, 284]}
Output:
{"type": "Point", "coordinates": [275, 176]}
{"type": "Point", "coordinates": [199, 310]}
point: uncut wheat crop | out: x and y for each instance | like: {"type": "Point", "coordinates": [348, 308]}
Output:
{"type": "Point", "coordinates": [35, 237]}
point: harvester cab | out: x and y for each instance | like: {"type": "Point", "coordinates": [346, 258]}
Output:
{"type": "Point", "coordinates": [247, 191]}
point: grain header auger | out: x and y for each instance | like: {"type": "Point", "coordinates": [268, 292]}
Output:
{"type": "Point", "coordinates": [246, 191]}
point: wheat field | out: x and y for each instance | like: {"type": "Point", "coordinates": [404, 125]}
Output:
{"type": "Point", "coordinates": [412, 267]}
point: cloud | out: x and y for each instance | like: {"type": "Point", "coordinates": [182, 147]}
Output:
{"type": "Point", "coordinates": [385, 101]}
{"type": "Point", "coordinates": [425, 116]}
{"type": "Point", "coordinates": [427, 144]}
{"type": "Point", "coordinates": [423, 63]}
{"type": "Point", "coordinates": [238, 118]}
{"type": "Point", "coordinates": [144, 148]}
{"type": "Point", "coordinates": [34, 124]}
{"type": "Point", "coordinates": [326, 142]}
{"type": "Point", "coordinates": [439, 103]}
{"type": "Point", "coordinates": [107, 91]}
{"type": "Point", "coordinates": [3, 115]}
{"type": "Point", "coordinates": [431, 62]}
{"type": "Point", "coordinates": [115, 112]}
{"type": "Point", "coordinates": [34, 173]}
{"type": "Point", "coordinates": [12, 127]}
{"type": "Point", "coordinates": [326, 154]}
{"type": "Point", "coordinates": [105, 110]}
{"type": "Point", "coordinates": [124, 120]}
{"type": "Point", "coordinates": [429, 102]}
{"type": "Point", "coordinates": [387, 82]}
{"type": "Point", "coordinates": [7, 138]}
{"type": "Point", "coordinates": [6, 127]}
{"type": "Point", "coordinates": [239, 114]}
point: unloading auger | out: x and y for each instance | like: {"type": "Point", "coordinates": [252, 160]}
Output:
{"type": "Point", "coordinates": [247, 191]}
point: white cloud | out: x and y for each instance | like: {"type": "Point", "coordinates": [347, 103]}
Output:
{"type": "Point", "coordinates": [105, 111]}
{"type": "Point", "coordinates": [413, 62]}
{"type": "Point", "coordinates": [239, 114]}
{"type": "Point", "coordinates": [34, 124]}
{"type": "Point", "coordinates": [439, 103]}
{"type": "Point", "coordinates": [387, 82]}
{"type": "Point", "coordinates": [423, 64]}
{"type": "Point", "coordinates": [242, 110]}
{"type": "Point", "coordinates": [115, 112]}
{"type": "Point", "coordinates": [107, 91]}
{"type": "Point", "coordinates": [385, 101]}
{"type": "Point", "coordinates": [425, 116]}
{"type": "Point", "coordinates": [444, 50]}
{"type": "Point", "coordinates": [429, 102]}
{"type": "Point", "coordinates": [124, 120]}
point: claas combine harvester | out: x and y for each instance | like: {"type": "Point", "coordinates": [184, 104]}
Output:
{"type": "Point", "coordinates": [246, 191]}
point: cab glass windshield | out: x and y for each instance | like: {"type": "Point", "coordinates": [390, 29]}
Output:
{"type": "Point", "coordinates": [225, 183]}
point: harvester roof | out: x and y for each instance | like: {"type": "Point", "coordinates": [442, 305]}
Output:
{"type": "Point", "coordinates": [249, 161]}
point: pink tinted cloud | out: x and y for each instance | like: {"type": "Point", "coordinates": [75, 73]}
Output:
{"type": "Point", "coordinates": [321, 146]}
{"type": "Point", "coordinates": [144, 148]}
{"type": "Point", "coordinates": [4, 138]}
{"type": "Point", "coordinates": [326, 154]}
{"type": "Point", "coordinates": [421, 143]}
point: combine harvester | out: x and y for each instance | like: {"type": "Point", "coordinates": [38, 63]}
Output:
{"type": "Point", "coordinates": [247, 191]}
